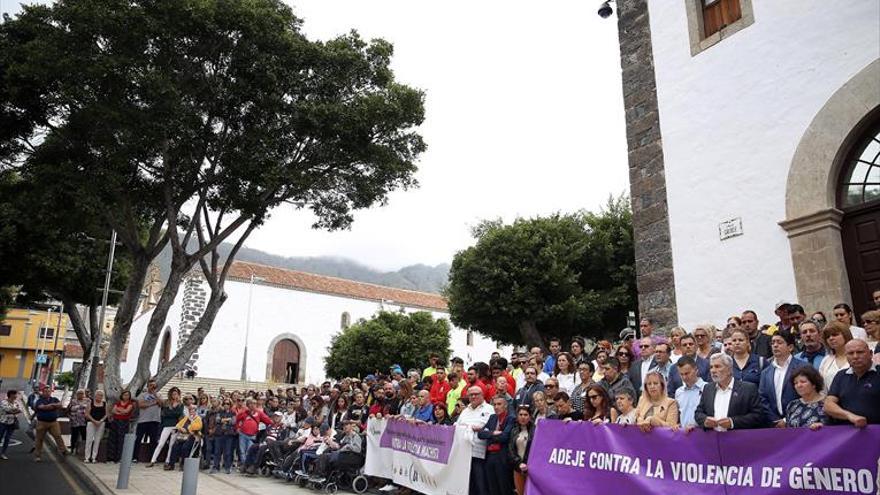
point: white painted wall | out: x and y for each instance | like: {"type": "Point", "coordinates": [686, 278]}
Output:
{"type": "Point", "coordinates": [731, 118]}
{"type": "Point", "coordinates": [314, 318]}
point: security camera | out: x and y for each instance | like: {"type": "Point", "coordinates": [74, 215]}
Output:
{"type": "Point", "coordinates": [605, 10]}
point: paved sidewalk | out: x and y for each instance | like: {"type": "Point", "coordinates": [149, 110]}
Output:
{"type": "Point", "coordinates": [156, 481]}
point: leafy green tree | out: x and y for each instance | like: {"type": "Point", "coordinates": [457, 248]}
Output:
{"type": "Point", "coordinates": [371, 346]}
{"type": "Point", "coordinates": [55, 251]}
{"type": "Point", "coordinates": [562, 275]}
{"type": "Point", "coordinates": [186, 122]}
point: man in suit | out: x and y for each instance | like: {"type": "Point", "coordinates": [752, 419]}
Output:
{"type": "Point", "coordinates": [776, 390]}
{"type": "Point", "coordinates": [640, 367]}
{"type": "Point", "coordinates": [728, 404]}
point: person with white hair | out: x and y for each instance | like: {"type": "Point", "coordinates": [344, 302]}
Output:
{"type": "Point", "coordinates": [728, 404]}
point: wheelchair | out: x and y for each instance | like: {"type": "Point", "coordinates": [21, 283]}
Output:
{"type": "Point", "coordinates": [348, 478]}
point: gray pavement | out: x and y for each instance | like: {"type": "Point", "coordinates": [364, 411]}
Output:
{"type": "Point", "coordinates": [20, 474]}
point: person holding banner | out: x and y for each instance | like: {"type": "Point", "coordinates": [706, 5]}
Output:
{"type": "Point", "coordinates": [688, 394]}
{"type": "Point", "coordinates": [598, 408]}
{"type": "Point", "coordinates": [496, 433]}
{"type": "Point", "coordinates": [776, 388]}
{"type": "Point", "coordinates": [854, 395]}
{"type": "Point", "coordinates": [808, 411]}
{"type": "Point", "coordinates": [625, 403]}
{"type": "Point", "coordinates": [518, 447]}
{"type": "Point", "coordinates": [475, 416]}
{"type": "Point", "coordinates": [655, 407]}
{"type": "Point", "coordinates": [728, 404]}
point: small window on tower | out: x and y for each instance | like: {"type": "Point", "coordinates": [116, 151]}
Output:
{"type": "Point", "coordinates": [346, 320]}
{"type": "Point", "coordinates": [718, 14]}
{"type": "Point", "coordinates": [710, 21]}
{"type": "Point", "coordinates": [470, 338]}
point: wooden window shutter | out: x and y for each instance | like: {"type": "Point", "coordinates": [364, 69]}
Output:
{"type": "Point", "coordinates": [718, 14]}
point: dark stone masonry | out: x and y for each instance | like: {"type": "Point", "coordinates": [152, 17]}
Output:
{"type": "Point", "coordinates": [654, 275]}
{"type": "Point", "coordinates": [194, 302]}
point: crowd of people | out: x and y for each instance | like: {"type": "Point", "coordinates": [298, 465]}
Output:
{"type": "Point", "coordinates": [797, 373]}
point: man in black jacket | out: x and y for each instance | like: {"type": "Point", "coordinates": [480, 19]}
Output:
{"type": "Point", "coordinates": [759, 340]}
{"type": "Point", "coordinates": [728, 404]}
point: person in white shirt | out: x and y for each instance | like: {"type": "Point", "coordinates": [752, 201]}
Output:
{"type": "Point", "coordinates": [728, 404]}
{"type": "Point", "coordinates": [474, 417]}
{"type": "Point", "coordinates": [775, 387]}
{"type": "Point", "coordinates": [689, 393]}
{"type": "Point", "coordinates": [566, 373]}
{"type": "Point", "coordinates": [835, 334]}
{"type": "Point", "coordinates": [844, 314]}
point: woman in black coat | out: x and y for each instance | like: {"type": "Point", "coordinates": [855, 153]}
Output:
{"type": "Point", "coordinates": [518, 447]}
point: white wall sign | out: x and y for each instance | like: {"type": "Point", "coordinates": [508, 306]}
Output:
{"type": "Point", "coordinates": [730, 228]}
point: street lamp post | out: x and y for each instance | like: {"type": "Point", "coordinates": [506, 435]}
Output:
{"type": "Point", "coordinates": [40, 348]}
{"type": "Point", "coordinates": [98, 333]}
{"type": "Point", "coordinates": [247, 326]}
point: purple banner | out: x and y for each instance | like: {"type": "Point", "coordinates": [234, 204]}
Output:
{"type": "Point", "coordinates": [429, 442]}
{"type": "Point", "coordinates": [585, 459]}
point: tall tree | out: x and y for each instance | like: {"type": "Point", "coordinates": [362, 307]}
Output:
{"type": "Point", "coordinates": [562, 275]}
{"type": "Point", "coordinates": [55, 250]}
{"type": "Point", "coordinates": [371, 346]}
{"type": "Point", "coordinates": [185, 122]}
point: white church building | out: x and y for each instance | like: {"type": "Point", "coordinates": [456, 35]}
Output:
{"type": "Point", "coordinates": [285, 319]}
{"type": "Point", "coordinates": [753, 130]}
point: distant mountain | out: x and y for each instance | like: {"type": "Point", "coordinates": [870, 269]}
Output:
{"type": "Point", "coordinates": [415, 277]}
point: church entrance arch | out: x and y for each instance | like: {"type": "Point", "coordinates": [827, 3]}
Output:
{"type": "Point", "coordinates": [286, 360]}
{"type": "Point", "coordinates": [859, 199]}
{"type": "Point", "coordinates": [819, 220]}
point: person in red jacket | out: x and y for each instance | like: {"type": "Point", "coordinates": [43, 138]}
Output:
{"type": "Point", "coordinates": [473, 380]}
{"type": "Point", "coordinates": [440, 387]}
{"type": "Point", "coordinates": [248, 423]}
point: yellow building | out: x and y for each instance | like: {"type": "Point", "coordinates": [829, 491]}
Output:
{"type": "Point", "coordinates": [30, 340]}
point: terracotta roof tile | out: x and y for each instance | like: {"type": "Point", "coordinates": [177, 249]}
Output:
{"type": "Point", "coordinates": [242, 270]}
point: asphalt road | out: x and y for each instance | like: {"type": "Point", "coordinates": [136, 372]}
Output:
{"type": "Point", "coordinates": [20, 474]}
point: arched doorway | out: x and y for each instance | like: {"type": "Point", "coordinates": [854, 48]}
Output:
{"type": "Point", "coordinates": [859, 199]}
{"type": "Point", "coordinates": [813, 201]}
{"type": "Point", "coordinates": [285, 362]}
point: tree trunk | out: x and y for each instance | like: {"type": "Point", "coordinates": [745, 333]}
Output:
{"type": "Point", "coordinates": [122, 325]}
{"type": "Point", "coordinates": [528, 330]}
{"type": "Point", "coordinates": [156, 325]}
{"type": "Point", "coordinates": [195, 339]}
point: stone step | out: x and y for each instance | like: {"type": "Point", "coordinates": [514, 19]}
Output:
{"type": "Point", "coordinates": [212, 385]}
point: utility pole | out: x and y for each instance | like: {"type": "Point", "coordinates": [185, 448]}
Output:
{"type": "Point", "coordinates": [98, 334]}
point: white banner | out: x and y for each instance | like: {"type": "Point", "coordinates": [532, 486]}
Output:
{"type": "Point", "coordinates": [435, 460]}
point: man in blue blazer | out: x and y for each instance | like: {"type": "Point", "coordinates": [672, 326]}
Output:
{"type": "Point", "coordinates": [775, 388]}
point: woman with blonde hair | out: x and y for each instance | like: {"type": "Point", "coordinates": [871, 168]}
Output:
{"type": "Point", "coordinates": [675, 336]}
{"type": "Point", "coordinates": [835, 335]}
{"type": "Point", "coordinates": [871, 320]}
{"type": "Point", "coordinates": [655, 407]}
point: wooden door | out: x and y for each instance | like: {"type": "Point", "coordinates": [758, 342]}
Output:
{"type": "Point", "coordinates": [861, 250]}
{"type": "Point", "coordinates": [284, 358]}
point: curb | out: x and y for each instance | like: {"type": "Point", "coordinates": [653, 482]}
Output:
{"type": "Point", "coordinates": [75, 466]}
{"type": "Point", "coordinates": [88, 478]}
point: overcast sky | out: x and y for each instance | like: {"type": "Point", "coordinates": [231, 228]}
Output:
{"type": "Point", "coordinates": [524, 118]}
